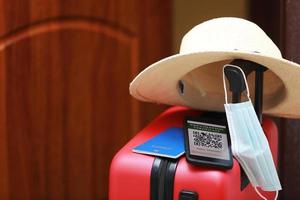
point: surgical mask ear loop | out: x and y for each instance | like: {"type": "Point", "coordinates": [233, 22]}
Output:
{"type": "Point", "coordinates": [224, 81]}
{"type": "Point", "coordinates": [263, 197]}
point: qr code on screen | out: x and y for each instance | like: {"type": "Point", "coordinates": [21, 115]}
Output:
{"type": "Point", "coordinates": [207, 140]}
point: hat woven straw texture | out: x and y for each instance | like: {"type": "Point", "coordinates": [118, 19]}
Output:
{"type": "Point", "coordinates": [193, 77]}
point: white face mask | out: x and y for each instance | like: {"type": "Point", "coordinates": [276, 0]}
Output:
{"type": "Point", "coordinates": [249, 143]}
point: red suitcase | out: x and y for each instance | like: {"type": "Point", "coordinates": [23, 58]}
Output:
{"type": "Point", "coordinates": [140, 177]}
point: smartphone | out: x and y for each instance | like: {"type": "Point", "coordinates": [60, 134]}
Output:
{"type": "Point", "coordinates": [207, 141]}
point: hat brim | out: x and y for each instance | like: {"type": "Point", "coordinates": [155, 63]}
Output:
{"type": "Point", "coordinates": [158, 82]}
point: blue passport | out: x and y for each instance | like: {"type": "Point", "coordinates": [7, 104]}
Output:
{"type": "Point", "coordinates": [169, 143]}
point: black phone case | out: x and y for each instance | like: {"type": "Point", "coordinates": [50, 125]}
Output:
{"type": "Point", "coordinates": [212, 118]}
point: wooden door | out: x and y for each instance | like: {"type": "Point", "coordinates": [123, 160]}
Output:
{"type": "Point", "coordinates": [65, 68]}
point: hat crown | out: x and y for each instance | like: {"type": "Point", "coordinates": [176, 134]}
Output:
{"type": "Point", "coordinates": [228, 34]}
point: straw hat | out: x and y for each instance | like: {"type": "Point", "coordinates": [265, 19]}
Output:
{"type": "Point", "coordinates": [193, 77]}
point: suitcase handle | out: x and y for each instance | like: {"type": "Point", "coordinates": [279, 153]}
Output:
{"type": "Point", "coordinates": [237, 83]}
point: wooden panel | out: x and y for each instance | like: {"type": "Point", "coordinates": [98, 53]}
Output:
{"type": "Point", "coordinates": [266, 14]}
{"type": "Point", "coordinates": [4, 178]}
{"type": "Point", "coordinates": [16, 14]}
{"type": "Point", "coordinates": [155, 43]}
{"type": "Point", "coordinates": [290, 154]}
{"type": "Point", "coordinates": [65, 108]}
{"type": "Point", "coordinates": [62, 113]}
{"type": "Point", "coordinates": [280, 20]}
